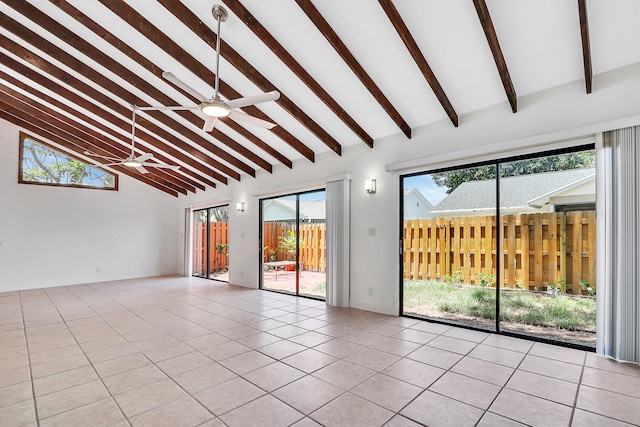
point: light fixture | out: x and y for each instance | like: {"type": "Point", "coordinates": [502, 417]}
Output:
{"type": "Point", "coordinates": [240, 206]}
{"type": "Point", "coordinates": [216, 108]}
{"type": "Point", "coordinates": [132, 163]}
{"type": "Point", "coordinates": [370, 186]}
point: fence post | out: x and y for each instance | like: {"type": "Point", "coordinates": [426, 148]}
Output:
{"type": "Point", "coordinates": [563, 248]}
{"type": "Point", "coordinates": [447, 247]}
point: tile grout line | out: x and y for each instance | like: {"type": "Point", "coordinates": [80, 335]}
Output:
{"type": "Point", "coordinates": [26, 343]}
{"type": "Point", "coordinates": [575, 400]}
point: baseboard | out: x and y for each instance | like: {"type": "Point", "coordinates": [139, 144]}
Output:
{"type": "Point", "coordinates": [373, 306]}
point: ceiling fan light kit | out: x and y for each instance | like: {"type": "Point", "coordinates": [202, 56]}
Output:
{"type": "Point", "coordinates": [217, 108]}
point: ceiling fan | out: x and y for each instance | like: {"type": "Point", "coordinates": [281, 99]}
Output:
{"type": "Point", "coordinates": [139, 162]}
{"type": "Point", "coordinates": [215, 107]}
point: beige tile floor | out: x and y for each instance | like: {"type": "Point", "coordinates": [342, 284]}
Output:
{"type": "Point", "coordinates": [176, 351]}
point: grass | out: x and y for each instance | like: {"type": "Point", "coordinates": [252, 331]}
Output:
{"type": "Point", "coordinates": [531, 308]}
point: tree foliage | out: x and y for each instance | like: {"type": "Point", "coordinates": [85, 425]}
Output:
{"type": "Point", "coordinates": [453, 179]}
{"type": "Point", "coordinates": [46, 165]}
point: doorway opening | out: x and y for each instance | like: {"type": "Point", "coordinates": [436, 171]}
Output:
{"type": "Point", "coordinates": [293, 244]}
{"type": "Point", "coordinates": [507, 246]}
{"type": "Point", "coordinates": [210, 236]}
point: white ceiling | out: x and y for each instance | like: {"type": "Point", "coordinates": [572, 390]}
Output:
{"type": "Point", "coordinates": [540, 40]}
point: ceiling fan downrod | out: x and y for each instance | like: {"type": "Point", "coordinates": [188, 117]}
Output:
{"type": "Point", "coordinates": [220, 14]}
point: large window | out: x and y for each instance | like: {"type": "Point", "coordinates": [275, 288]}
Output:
{"type": "Point", "coordinates": [506, 246]}
{"type": "Point", "coordinates": [44, 165]}
{"type": "Point", "coordinates": [293, 236]}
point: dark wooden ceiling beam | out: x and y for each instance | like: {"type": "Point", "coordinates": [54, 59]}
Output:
{"type": "Point", "coordinates": [27, 124]}
{"type": "Point", "coordinates": [64, 122]}
{"type": "Point", "coordinates": [498, 57]}
{"type": "Point", "coordinates": [146, 28]}
{"type": "Point", "coordinates": [66, 97]}
{"type": "Point", "coordinates": [418, 57]}
{"type": "Point", "coordinates": [47, 67]}
{"type": "Point", "coordinates": [45, 45]}
{"type": "Point", "coordinates": [189, 19]}
{"type": "Point", "coordinates": [323, 26]}
{"type": "Point", "coordinates": [239, 10]}
{"type": "Point", "coordinates": [160, 96]}
{"type": "Point", "coordinates": [586, 44]}
{"type": "Point", "coordinates": [69, 133]}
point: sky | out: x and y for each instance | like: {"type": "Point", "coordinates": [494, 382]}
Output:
{"type": "Point", "coordinates": [425, 185]}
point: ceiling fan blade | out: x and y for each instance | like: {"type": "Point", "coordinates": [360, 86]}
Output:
{"type": "Point", "coordinates": [170, 107]}
{"type": "Point", "coordinates": [253, 100]}
{"type": "Point", "coordinates": [210, 123]}
{"type": "Point", "coordinates": [141, 169]}
{"type": "Point", "coordinates": [143, 157]}
{"type": "Point", "coordinates": [110, 164]}
{"type": "Point", "coordinates": [238, 116]}
{"type": "Point", "coordinates": [89, 153]}
{"type": "Point", "coordinates": [176, 81]}
{"type": "Point", "coordinates": [161, 165]}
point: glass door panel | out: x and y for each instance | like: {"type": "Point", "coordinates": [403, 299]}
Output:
{"type": "Point", "coordinates": [219, 243]}
{"type": "Point", "coordinates": [449, 246]}
{"type": "Point", "coordinates": [294, 244]}
{"type": "Point", "coordinates": [549, 272]}
{"type": "Point", "coordinates": [210, 248]}
{"type": "Point", "coordinates": [280, 244]}
{"type": "Point", "coordinates": [312, 276]}
{"type": "Point", "coordinates": [199, 243]}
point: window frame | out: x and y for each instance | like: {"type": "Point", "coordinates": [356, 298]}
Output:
{"type": "Point", "coordinates": [21, 180]}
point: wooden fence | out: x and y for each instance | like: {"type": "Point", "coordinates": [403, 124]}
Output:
{"type": "Point", "coordinates": [312, 244]}
{"type": "Point", "coordinates": [218, 239]}
{"type": "Point", "coordinates": [537, 249]}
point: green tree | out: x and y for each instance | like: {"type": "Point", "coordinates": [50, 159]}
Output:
{"type": "Point", "coordinates": [44, 164]}
{"type": "Point", "coordinates": [579, 160]}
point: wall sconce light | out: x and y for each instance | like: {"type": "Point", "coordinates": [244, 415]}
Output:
{"type": "Point", "coordinates": [240, 206]}
{"type": "Point", "coordinates": [370, 186]}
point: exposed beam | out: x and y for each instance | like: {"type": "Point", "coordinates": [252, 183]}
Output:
{"type": "Point", "coordinates": [323, 26]}
{"type": "Point", "coordinates": [250, 21]}
{"type": "Point", "coordinates": [586, 45]}
{"type": "Point", "coordinates": [189, 19]}
{"type": "Point", "coordinates": [146, 28]}
{"type": "Point", "coordinates": [163, 98]}
{"type": "Point", "coordinates": [74, 126]}
{"type": "Point", "coordinates": [26, 123]}
{"type": "Point", "coordinates": [45, 45]}
{"type": "Point", "coordinates": [101, 98]}
{"type": "Point", "coordinates": [418, 57]}
{"type": "Point", "coordinates": [494, 45]}
{"type": "Point", "coordinates": [69, 133]}
{"type": "Point", "coordinates": [68, 97]}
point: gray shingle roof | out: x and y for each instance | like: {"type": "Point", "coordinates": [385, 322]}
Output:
{"type": "Point", "coordinates": [314, 210]}
{"type": "Point", "coordinates": [515, 191]}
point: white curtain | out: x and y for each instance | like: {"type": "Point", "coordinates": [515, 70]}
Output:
{"type": "Point", "coordinates": [618, 290]}
{"type": "Point", "coordinates": [188, 224]}
{"type": "Point", "coordinates": [338, 222]}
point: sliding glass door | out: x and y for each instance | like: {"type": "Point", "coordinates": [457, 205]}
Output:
{"type": "Point", "coordinates": [449, 251]}
{"type": "Point", "coordinates": [210, 243]}
{"type": "Point", "coordinates": [293, 244]}
{"type": "Point", "coordinates": [506, 246]}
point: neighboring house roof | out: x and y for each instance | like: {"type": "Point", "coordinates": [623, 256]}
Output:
{"type": "Point", "coordinates": [309, 210]}
{"type": "Point", "coordinates": [415, 192]}
{"type": "Point", "coordinates": [515, 192]}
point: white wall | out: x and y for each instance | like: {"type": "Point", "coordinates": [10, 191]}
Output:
{"type": "Point", "coordinates": [543, 119]}
{"type": "Point", "coordinates": [53, 236]}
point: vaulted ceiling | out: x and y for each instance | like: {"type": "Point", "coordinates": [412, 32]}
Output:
{"type": "Point", "coordinates": [348, 71]}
